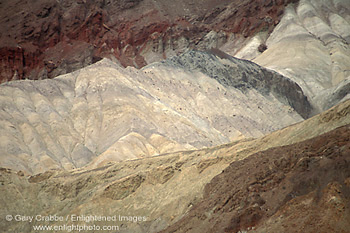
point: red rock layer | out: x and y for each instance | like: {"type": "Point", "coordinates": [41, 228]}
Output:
{"type": "Point", "coordinates": [45, 38]}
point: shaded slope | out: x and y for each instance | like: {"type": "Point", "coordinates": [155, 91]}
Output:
{"type": "Point", "coordinates": [161, 188]}
{"type": "Point", "coordinates": [244, 75]}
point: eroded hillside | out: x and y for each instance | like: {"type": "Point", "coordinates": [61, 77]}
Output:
{"type": "Point", "coordinates": [312, 175]}
{"type": "Point", "coordinates": [168, 132]}
{"type": "Point", "coordinates": [105, 112]}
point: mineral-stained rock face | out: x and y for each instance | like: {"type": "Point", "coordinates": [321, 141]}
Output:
{"type": "Point", "coordinates": [45, 38]}
{"type": "Point", "coordinates": [105, 112]}
{"type": "Point", "coordinates": [267, 190]}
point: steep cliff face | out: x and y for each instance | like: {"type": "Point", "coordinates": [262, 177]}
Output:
{"type": "Point", "coordinates": [45, 38]}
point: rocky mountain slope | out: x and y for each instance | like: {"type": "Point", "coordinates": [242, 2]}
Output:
{"type": "Point", "coordinates": [108, 113]}
{"type": "Point", "coordinates": [45, 38]}
{"type": "Point", "coordinates": [253, 185]}
{"type": "Point", "coordinates": [166, 131]}
{"type": "Point", "coordinates": [307, 40]}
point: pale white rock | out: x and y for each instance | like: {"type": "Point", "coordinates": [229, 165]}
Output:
{"type": "Point", "coordinates": [311, 46]}
{"type": "Point", "coordinates": [105, 112]}
{"type": "Point", "coordinates": [250, 50]}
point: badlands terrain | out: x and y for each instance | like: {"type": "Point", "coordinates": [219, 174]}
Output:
{"type": "Point", "coordinates": [178, 116]}
{"type": "Point", "coordinates": [117, 113]}
{"type": "Point", "coordinates": [276, 183]}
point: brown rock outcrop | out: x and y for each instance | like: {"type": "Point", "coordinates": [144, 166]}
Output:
{"type": "Point", "coordinates": [297, 188]}
{"type": "Point", "coordinates": [45, 38]}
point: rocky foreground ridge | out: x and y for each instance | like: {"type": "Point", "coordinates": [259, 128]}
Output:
{"type": "Point", "coordinates": [247, 185]}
